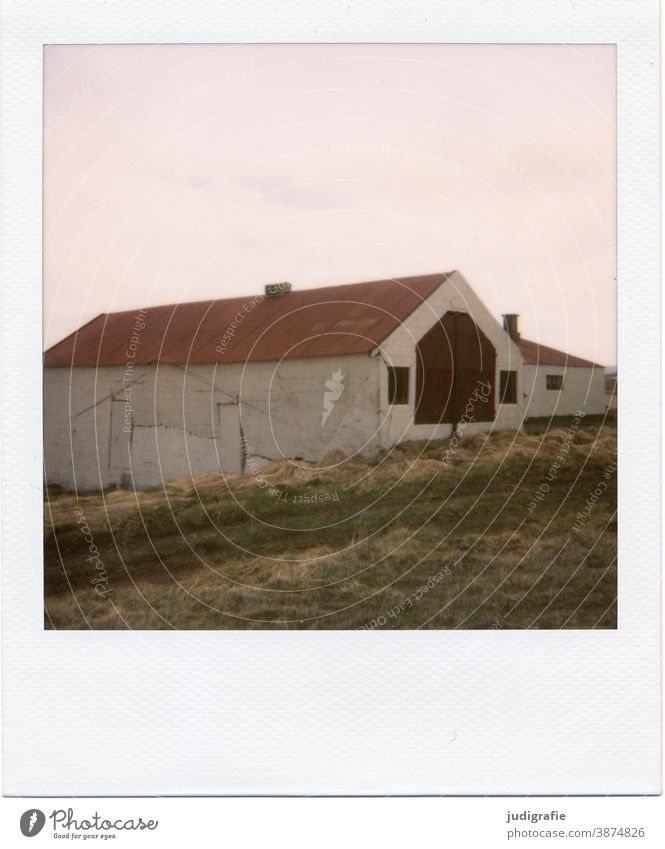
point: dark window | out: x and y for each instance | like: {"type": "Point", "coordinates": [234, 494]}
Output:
{"type": "Point", "coordinates": [398, 385]}
{"type": "Point", "coordinates": [508, 387]}
{"type": "Point", "coordinates": [554, 381]}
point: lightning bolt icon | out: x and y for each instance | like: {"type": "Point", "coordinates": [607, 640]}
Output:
{"type": "Point", "coordinates": [334, 387]}
{"type": "Point", "coordinates": [33, 820]}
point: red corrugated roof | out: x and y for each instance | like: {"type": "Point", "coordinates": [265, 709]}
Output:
{"type": "Point", "coordinates": [535, 354]}
{"type": "Point", "coordinates": [334, 320]}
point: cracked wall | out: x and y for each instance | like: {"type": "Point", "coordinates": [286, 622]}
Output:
{"type": "Point", "coordinates": [168, 421]}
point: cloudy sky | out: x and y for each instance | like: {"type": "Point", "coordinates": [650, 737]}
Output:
{"type": "Point", "coordinates": [179, 173]}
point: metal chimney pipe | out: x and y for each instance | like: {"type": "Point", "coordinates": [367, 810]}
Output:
{"type": "Point", "coordinates": [510, 326]}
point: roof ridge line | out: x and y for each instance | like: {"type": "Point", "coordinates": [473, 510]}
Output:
{"type": "Point", "coordinates": [293, 292]}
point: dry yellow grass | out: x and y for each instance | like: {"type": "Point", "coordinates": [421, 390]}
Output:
{"type": "Point", "coordinates": [403, 540]}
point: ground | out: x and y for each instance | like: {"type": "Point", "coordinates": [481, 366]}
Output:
{"type": "Point", "coordinates": [505, 531]}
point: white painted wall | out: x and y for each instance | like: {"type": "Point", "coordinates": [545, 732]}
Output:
{"type": "Point", "coordinates": [400, 350]}
{"type": "Point", "coordinates": [183, 422]}
{"type": "Point", "coordinates": [583, 389]}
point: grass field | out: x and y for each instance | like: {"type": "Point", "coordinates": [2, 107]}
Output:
{"type": "Point", "coordinates": [502, 531]}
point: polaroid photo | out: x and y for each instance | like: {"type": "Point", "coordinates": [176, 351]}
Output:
{"type": "Point", "coordinates": [317, 480]}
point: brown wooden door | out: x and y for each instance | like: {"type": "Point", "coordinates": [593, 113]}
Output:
{"type": "Point", "coordinates": [455, 372]}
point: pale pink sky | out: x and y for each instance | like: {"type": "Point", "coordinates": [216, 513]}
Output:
{"type": "Point", "coordinates": [191, 172]}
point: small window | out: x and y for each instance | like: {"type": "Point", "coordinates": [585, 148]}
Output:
{"type": "Point", "coordinates": [398, 385]}
{"type": "Point", "coordinates": [508, 387]}
{"type": "Point", "coordinates": [554, 381]}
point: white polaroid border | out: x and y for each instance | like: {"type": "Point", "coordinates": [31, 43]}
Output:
{"type": "Point", "coordinates": [424, 712]}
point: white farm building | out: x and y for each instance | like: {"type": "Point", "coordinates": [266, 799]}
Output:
{"type": "Point", "coordinates": [134, 398]}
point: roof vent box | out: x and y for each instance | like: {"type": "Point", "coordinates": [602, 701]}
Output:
{"type": "Point", "coordinates": [275, 290]}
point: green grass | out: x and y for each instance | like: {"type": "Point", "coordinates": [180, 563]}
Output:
{"type": "Point", "coordinates": [411, 542]}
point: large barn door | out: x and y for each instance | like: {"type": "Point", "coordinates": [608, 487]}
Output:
{"type": "Point", "coordinates": [455, 367]}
